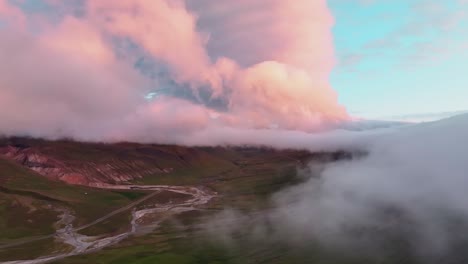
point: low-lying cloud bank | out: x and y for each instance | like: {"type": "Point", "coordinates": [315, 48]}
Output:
{"type": "Point", "coordinates": [407, 196]}
{"type": "Point", "coordinates": [82, 69]}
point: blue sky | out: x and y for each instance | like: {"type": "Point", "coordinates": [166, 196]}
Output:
{"type": "Point", "coordinates": [401, 56]}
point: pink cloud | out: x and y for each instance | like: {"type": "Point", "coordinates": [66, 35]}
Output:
{"type": "Point", "coordinates": [251, 32]}
{"type": "Point", "coordinates": [272, 69]}
{"type": "Point", "coordinates": [166, 29]}
{"type": "Point", "coordinates": [11, 14]}
{"type": "Point", "coordinates": [288, 96]}
{"type": "Point", "coordinates": [79, 39]}
{"type": "Point", "coordinates": [289, 54]}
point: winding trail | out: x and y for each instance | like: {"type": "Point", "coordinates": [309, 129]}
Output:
{"type": "Point", "coordinates": [86, 244]}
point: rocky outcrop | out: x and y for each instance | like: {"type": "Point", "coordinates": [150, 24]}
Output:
{"type": "Point", "coordinates": [35, 161]}
{"type": "Point", "coordinates": [80, 173]}
{"type": "Point", "coordinates": [121, 163]}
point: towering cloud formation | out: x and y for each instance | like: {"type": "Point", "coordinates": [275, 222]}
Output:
{"type": "Point", "coordinates": [252, 32]}
{"type": "Point", "coordinates": [265, 63]}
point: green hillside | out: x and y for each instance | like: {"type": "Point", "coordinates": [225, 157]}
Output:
{"type": "Point", "coordinates": [31, 204]}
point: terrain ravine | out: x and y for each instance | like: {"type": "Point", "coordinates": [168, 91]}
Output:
{"type": "Point", "coordinates": [82, 244]}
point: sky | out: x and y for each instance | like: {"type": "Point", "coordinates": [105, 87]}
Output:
{"type": "Point", "coordinates": [400, 57]}
{"type": "Point", "coordinates": [164, 69]}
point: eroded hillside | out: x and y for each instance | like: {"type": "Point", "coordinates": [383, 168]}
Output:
{"type": "Point", "coordinates": [94, 163]}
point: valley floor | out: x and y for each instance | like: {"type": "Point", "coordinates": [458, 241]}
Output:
{"type": "Point", "coordinates": [82, 244]}
{"type": "Point", "coordinates": [126, 194]}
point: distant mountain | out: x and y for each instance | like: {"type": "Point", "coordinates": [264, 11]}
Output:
{"type": "Point", "coordinates": [422, 117]}
{"type": "Point", "coordinates": [362, 125]}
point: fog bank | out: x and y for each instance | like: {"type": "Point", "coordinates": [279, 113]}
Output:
{"type": "Point", "coordinates": [408, 195]}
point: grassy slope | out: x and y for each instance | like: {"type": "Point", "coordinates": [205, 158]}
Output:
{"type": "Point", "coordinates": [233, 172]}
{"type": "Point", "coordinates": [87, 202]}
{"type": "Point", "coordinates": [27, 202]}
{"type": "Point", "coordinates": [23, 217]}
{"type": "Point", "coordinates": [247, 185]}
{"type": "Point", "coordinates": [244, 177]}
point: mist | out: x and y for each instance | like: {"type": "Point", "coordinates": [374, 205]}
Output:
{"type": "Point", "coordinates": [406, 196]}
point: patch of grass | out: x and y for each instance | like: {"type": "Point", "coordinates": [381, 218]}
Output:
{"type": "Point", "coordinates": [33, 250]}
{"type": "Point", "coordinates": [116, 224]}
{"type": "Point", "coordinates": [18, 220]}
{"type": "Point", "coordinates": [164, 197]}
{"type": "Point", "coordinates": [132, 195]}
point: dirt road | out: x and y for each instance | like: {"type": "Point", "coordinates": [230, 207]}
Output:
{"type": "Point", "coordinates": [85, 244]}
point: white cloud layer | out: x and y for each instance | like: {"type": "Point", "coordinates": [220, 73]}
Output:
{"type": "Point", "coordinates": [411, 186]}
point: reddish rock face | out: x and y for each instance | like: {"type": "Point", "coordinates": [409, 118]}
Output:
{"type": "Point", "coordinates": [78, 172]}
{"type": "Point", "coordinates": [29, 158]}
{"type": "Point", "coordinates": [47, 166]}
{"type": "Point", "coordinates": [75, 178]}
{"type": "Point", "coordinates": [95, 164]}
